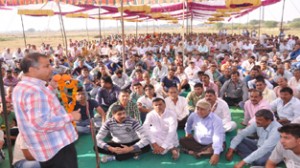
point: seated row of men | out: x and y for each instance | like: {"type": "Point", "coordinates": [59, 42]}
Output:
{"type": "Point", "coordinates": [205, 135]}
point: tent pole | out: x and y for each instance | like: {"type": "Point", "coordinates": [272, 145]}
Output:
{"type": "Point", "coordinates": [7, 126]}
{"type": "Point", "coordinates": [99, 14]}
{"type": "Point", "coordinates": [192, 24]}
{"type": "Point", "coordinates": [259, 21]}
{"type": "Point", "coordinates": [183, 7]}
{"type": "Point", "coordinates": [281, 23]}
{"type": "Point", "coordinates": [63, 27]}
{"type": "Point", "coordinates": [123, 35]}
{"type": "Point", "coordinates": [187, 19]}
{"type": "Point", "coordinates": [136, 31]}
{"type": "Point", "coordinates": [87, 30]}
{"type": "Point", "coordinates": [24, 36]}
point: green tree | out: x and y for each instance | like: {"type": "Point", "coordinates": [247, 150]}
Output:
{"type": "Point", "coordinates": [295, 24]}
{"type": "Point", "coordinates": [270, 24]}
{"type": "Point", "coordinates": [219, 25]}
{"type": "Point", "coordinates": [296, 20]}
{"type": "Point", "coordinates": [254, 22]}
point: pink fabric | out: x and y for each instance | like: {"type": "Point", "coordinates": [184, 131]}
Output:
{"type": "Point", "coordinates": [250, 110]}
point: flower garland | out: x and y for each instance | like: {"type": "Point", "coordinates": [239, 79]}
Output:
{"type": "Point", "coordinates": [65, 81]}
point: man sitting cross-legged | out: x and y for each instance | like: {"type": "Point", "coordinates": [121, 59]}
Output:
{"type": "Point", "coordinates": [128, 137]}
{"type": "Point", "coordinates": [251, 151]}
{"type": "Point", "coordinates": [209, 134]}
{"type": "Point", "coordinates": [161, 124]}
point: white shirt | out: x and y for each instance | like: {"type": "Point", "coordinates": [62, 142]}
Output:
{"type": "Point", "coordinates": [221, 109]}
{"type": "Point", "coordinates": [146, 101]}
{"type": "Point", "coordinates": [19, 145]}
{"type": "Point", "coordinates": [162, 129]}
{"type": "Point", "coordinates": [288, 111]}
{"type": "Point", "coordinates": [160, 73]}
{"type": "Point", "coordinates": [122, 82]}
{"type": "Point", "coordinates": [191, 73]}
{"type": "Point", "coordinates": [180, 108]}
{"type": "Point", "coordinates": [290, 159]}
{"type": "Point", "coordinates": [293, 82]}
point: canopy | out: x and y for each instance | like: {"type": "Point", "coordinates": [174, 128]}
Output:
{"type": "Point", "coordinates": [141, 10]}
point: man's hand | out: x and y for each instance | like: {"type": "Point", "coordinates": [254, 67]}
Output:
{"type": "Point", "coordinates": [240, 164]}
{"type": "Point", "coordinates": [229, 154]}
{"type": "Point", "coordinates": [114, 149]}
{"type": "Point", "coordinates": [214, 159]}
{"type": "Point", "coordinates": [157, 149]}
{"type": "Point", "coordinates": [125, 149]}
{"type": "Point", "coordinates": [76, 115]}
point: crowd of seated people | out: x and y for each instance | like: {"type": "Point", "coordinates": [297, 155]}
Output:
{"type": "Point", "coordinates": [167, 84]}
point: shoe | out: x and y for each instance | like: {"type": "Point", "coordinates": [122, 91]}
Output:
{"type": "Point", "coordinates": [107, 158]}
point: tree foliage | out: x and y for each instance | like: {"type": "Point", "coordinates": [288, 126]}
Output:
{"type": "Point", "coordinates": [270, 24]}
{"type": "Point", "coordinates": [219, 25]}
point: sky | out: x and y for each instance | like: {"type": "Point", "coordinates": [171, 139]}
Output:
{"type": "Point", "coordinates": [11, 21]}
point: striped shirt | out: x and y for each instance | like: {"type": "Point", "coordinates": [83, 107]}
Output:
{"type": "Point", "coordinates": [131, 110]}
{"type": "Point", "coordinates": [43, 122]}
{"type": "Point", "coordinates": [128, 131]}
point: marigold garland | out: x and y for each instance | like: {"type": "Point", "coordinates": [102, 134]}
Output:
{"type": "Point", "coordinates": [65, 81]}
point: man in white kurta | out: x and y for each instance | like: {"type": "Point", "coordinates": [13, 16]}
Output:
{"type": "Point", "coordinates": [179, 105]}
{"type": "Point", "coordinates": [221, 109]}
{"type": "Point", "coordinates": [161, 125]}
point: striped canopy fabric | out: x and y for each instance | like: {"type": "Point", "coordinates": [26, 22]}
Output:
{"type": "Point", "coordinates": [85, 2]}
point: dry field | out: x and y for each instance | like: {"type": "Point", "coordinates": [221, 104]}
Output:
{"type": "Point", "coordinates": [16, 40]}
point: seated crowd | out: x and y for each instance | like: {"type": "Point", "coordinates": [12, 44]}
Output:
{"type": "Point", "coordinates": [168, 84]}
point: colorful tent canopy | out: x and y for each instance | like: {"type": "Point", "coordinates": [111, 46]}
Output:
{"type": "Point", "coordinates": [145, 9]}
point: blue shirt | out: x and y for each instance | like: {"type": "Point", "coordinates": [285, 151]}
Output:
{"type": "Point", "coordinates": [268, 138]}
{"type": "Point", "coordinates": [208, 130]}
{"type": "Point", "coordinates": [169, 83]}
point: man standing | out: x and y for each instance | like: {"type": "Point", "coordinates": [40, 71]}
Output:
{"type": "Point", "coordinates": [43, 122]}
{"type": "Point", "coordinates": [251, 151]}
{"type": "Point", "coordinates": [161, 125]}
{"type": "Point", "coordinates": [288, 149]}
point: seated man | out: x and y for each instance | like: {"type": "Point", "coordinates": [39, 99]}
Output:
{"type": "Point", "coordinates": [268, 94]}
{"type": "Point", "coordinates": [121, 79]}
{"type": "Point", "coordinates": [131, 108]}
{"type": "Point", "coordinates": [144, 103]}
{"type": "Point", "coordinates": [209, 134]}
{"type": "Point", "coordinates": [207, 84]}
{"type": "Point", "coordinates": [288, 149]}
{"type": "Point", "coordinates": [194, 96]}
{"type": "Point", "coordinates": [234, 91]}
{"type": "Point", "coordinates": [221, 109]}
{"type": "Point", "coordinates": [129, 139]}
{"type": "Point", "coordinates": [255, 103]}
{"type": "Point", "coordinates": [138, 91]}
{"type": "Point", "coordinates": [286, 107]}
{"type": "Point", "coordinates": [170, 80]}
{"type": "Point", "coordinates": [179, 105]}
{"type": "Point", "coordinates": [87, 107]}
{"type": "Point", "coordinates": [161, 125]}
{"type": "Point", "coordinates": [255, 152]}
{"type": "Point", "coordinates": [22, 158]}
{"type": "Point", "coordinates": [108, 93]}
